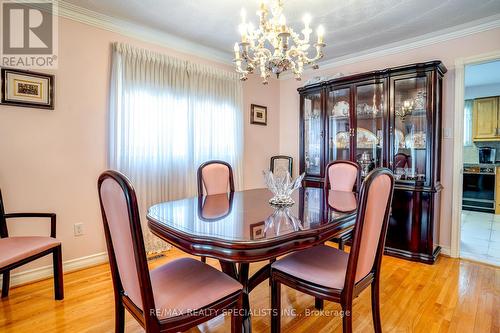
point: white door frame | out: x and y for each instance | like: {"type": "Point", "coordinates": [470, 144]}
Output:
{"type": "Point", "coordinates": [458, 144]}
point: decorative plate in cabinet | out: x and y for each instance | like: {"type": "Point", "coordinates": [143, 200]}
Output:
{"type": "Point", "coordinates": [365, 138]}
{"type": "Point", "coordinates": [340, 109]}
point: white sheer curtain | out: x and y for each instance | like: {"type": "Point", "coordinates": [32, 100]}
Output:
{"type": "Point", "coordinates": [167, 116]}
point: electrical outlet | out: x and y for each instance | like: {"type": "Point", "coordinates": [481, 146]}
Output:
{"type": "Point", "coordinates": [78, 229]}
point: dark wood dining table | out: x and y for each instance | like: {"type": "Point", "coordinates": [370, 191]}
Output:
{"type": "Point", "coordinates": [242, 227]}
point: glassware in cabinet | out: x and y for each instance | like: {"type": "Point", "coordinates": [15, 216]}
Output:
{"type": "Point", "coordinates": [411, 130]}
{"type": "Point", "coordinates": [370, 125]}
{"type": "Point", "coordinates": [339, 124]}
{"type": "Point", "coordinates": [312, 133]}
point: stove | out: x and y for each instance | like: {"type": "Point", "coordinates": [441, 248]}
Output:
{"type": "Point", "coordinates": [479, 187]}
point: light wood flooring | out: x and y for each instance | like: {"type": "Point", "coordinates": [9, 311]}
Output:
{"type": "Point", "coordinates": [451, 296]}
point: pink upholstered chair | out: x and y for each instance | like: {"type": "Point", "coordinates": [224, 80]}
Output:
{"type": "Point", "coordinates": [330, 274]}
{"type": "Point", "coordinates": [171, 298]}
{"type": "Point", "coordinates": [19, 250]}
{"type": "Point", "coordinates": [280, 163]}
{"type": "Point", "coordinates": [215, 177]}
{"type": "Point", "coordinates": [342, 176]}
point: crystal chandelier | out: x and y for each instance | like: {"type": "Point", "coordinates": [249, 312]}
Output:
{"type": "Point", "coordinates": [274, 47]}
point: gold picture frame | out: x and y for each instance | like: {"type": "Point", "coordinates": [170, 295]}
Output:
{"type": "Point", "coordinates": [258, 115]}
{"type": "Point", "coordinates": [27, 89]}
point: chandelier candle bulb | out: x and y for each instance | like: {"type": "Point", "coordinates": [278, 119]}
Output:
{"type": "Point", "coordinates": [282, 23]}
{"type": "Point", "coordinates": [236, 51]}
{"type": "Point", "coordinates": [321, 33]}
{"type": "Point", "coordinates": [243, 14]}
{"type": "Point", "coordinates": [307, 21]}
{"type": "Point", "coordinates": [243, 31]}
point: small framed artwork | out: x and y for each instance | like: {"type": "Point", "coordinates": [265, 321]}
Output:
{"type": "Point", "coordinates": [27, 89]}
{"type": "Point", "coordinates": [257, 230]}
{"type": "Point", "coordinates": [258, 115]}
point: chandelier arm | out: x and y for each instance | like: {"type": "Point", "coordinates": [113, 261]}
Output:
{"type": "Point", "coordinates": [319, 55]}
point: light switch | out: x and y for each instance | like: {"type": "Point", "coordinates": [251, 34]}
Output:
{"type": "Point", "coordinates": [447, 133]}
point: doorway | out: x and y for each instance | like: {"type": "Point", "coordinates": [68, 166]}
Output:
{"type": "Point", "coordinates": [476, 179]}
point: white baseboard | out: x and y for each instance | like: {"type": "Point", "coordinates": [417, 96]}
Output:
{"type": "Point", "coordinates": [446, 250]}
{"type": "Point", "coordinates": [44, 272]}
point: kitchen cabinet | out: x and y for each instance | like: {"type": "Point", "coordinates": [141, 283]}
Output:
{"type": "Point", "coordinates": [486, 119]}
{"type": "Point", "coordinates": [387, 118]}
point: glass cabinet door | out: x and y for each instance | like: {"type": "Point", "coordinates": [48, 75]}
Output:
{"type": "Point", "coordinates": [338, 122]}
{"type": "Point", "coordinates": [370, 106]}
{"type": "Point", "coordinates": [410, 128]}
{"type": "Point", "coordinates": [313, 134]}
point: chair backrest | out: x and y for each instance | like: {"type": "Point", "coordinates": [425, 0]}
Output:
{"type": "Point", "coordinates": [369, 232]}
{"type": "Point", "coordinates": [122, 228]}
{"type": "Point", "coordinates": [342, 176]}
{"type": "Point", "coordinates": [402, 160]}
{"type": "Point", "coordinates": [3, 221]}
{"type": "Point", "coordinates": [280, 163]}
{"type": "Point", "coordinates": [215, 177]}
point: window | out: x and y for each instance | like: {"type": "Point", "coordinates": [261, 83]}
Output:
{"type": "Point", "coordinates": [167, 116]}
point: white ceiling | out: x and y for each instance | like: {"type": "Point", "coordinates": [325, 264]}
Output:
{"type": "Point", "coordinates": [352, 26]}
{"type": "Point", "coordinates": [482, 74]}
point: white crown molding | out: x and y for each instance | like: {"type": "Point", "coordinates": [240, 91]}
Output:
{"type": "Point", "coordinates": [44, 272]}
{"type": "Point", "coordinates": [463, 30]}
{"type": "Point", "coordinates": [127, 28]}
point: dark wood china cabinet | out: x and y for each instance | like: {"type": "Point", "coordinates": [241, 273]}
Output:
{"type": "Point", "coordinates": [387, 118]}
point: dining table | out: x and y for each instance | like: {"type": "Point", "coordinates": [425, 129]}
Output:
{"type": "Point", "coordinates": [239, 228]}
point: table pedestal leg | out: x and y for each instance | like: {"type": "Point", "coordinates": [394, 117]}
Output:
{"type": "Point", "coordinates": [318, 303]}
{"type": "Point", "coordinates": [241, 275]}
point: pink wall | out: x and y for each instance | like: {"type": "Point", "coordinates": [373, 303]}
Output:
{"type": "Point", "coordinates": [447, 52]}
{"type": "Point", "coordinates": [50, 160]}
{"type": "Point", "coordinates": [261, 142]}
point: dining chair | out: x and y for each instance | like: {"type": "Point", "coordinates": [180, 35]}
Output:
{"type": "Point", "coordinates": [16, 251]}
{"type": "Point", "coordinates": [342, 176]}
{"type": "Point", "coordinates": [331, 274]}
{"type": "Point", "coordinates": [281, 163]}
{"type": "Point", "coordinates": [171, 298]}
{"type": "Point", "coordinates": [215, 177]}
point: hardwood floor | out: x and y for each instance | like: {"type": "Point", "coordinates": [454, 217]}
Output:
{"type": "Point", "coordinates": [451, 296]}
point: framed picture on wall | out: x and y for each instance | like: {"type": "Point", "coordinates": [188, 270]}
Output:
{"type": "Point", "coordinates": [258, 115]}
{"type": "Point", "coordinates": [27, 89]}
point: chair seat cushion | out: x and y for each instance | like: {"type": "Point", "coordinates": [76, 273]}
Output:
{"type": "Point", "coordinates": [185, 285]}
{"type": "Point", "coordinates": [14, 249]}
{"type": "Point", "coordinates": [322, 265]}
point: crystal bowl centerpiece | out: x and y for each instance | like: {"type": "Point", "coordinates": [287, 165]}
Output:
{"type": "Point", "coordinates": [282, 186]}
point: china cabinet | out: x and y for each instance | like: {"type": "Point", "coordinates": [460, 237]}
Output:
{"type": "Point", "coordinates": [485, 119]}
{"type": "Point", "coordinates": [386, 118]}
